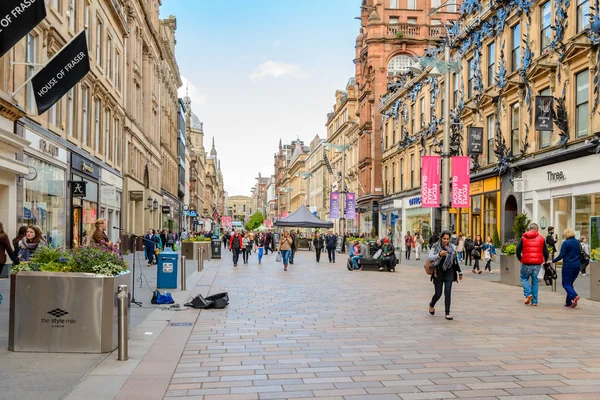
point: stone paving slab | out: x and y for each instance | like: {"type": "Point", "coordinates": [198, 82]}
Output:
{"type": "Point", "coordinates": [321, 331]}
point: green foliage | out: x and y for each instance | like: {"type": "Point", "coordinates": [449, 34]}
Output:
{"type": "Point", "coordinates": [87, 258]}
{"type": "Point", "coordinates": [496, 239]}
{"type": "Point", "coordinates": [594, 239]}
{"type": "Point", "coordinates": [399, 35]}
{"type": "Point", "coordinates": [24, 266]}
{"type": "Point", "coordinates": [509, 248]}
{"type": "Point", "coordinates": [200, 238]}
{"type": "Point", "coordinates": [108, 269]}
{"type": "Point", "coordinates": [520, 225]}
{"type": "Point", "coordinates": [255, 221]}
{"type": "Point", "coordinates": [595, 256]}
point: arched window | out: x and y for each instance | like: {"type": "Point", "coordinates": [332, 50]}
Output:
{"type": "Point", "coordinates": [399, 64]}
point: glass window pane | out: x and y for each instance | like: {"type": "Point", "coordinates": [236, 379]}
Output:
{"type": "Point", "coordinates": [490, 213]}
{"type": "Point", "coordinates": [582, 87]}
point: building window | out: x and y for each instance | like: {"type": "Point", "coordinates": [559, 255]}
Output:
{"type": "Point", "coordinates": [387, 184]}
{"type": "Point", "coordinates": [411, 4]}
{"type": "Point", "coordinates": [516, 47]}
{"type": "Point", "coordinates": [85, 137]}
{"type": "Point", "coordinates": [546, 24]}
{"type": "Point", "coordinates": [99, 42]}
{"type": "Point", "coordinates": [583, 11]}
{"type": "Point", "coordinates": [401, 173]}
{"type": "Point", "coordinates": [86, 21]}
{"type": "Point", "coordinates": [52, 114]}
{"type": "Point", "coordinates": [435, 3]}
{"type": "Point", "coordinates": [70, 112]}
{"type": "Point", "coordinates": [471, 81]}
{"type": "Point", "coordinates": [117, 70]}
{"type": "Point", "coordinates": [107, 142]}
{"type": "Point", "coordinates": [71, 14]}
{"type": "Point", "coordinates": [393, 177]}
{"type": "Point", "coordinates": [412, 170]}
{"type": "Point", "coordinates": [117, 138]}
{"type": "Point", "coordinates": [56, 5]}
{"type": "Point", "coordinates": [451, 7]}
{"type": "Point", "coordinates": [514, 129]}
{"type": "Point", "coordinates": [545, 136]}
{"type": "Point", "coordinates": [393, 3]}
{"type": "Point", "coordinates": [455, 90]}
{"type": "Point", "coordinates": [412, 21]}
{"type": "Point", "coordinates": [394, 20]}
{"type": "Point", "coordinates": [491, 138]}
{"type": "Point", "coordinates": [393, 133]}
{"type": "Point", "coordinates": [412, 119]}
{"type": "Point", "coordinates": [97, 125]}
{"type": "Point", "coordinates": [30, 58]}
{"type": "Point", "coordinates": [422, 110]}
{"type": "Point", "coordinates": [581, 109]}
{"type": "Point", "coordinates": [109, 57]}
{"type": "Point", "coordinates": [491, 70]}
{"type": "Point", "coordinates": [442, 98]}
{"type": "Point", "coordinates": [399, 64]}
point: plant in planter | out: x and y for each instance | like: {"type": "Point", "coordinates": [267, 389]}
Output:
{"type": "Point", "coordinates": [496, 239]}
{"type": "Point", "coordinates": [520, 225]}
{"type": "Point", "coordinates": [509, 248]}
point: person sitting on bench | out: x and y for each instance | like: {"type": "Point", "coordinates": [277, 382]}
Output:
{"type": "Point", "coordinates": [356, 255]}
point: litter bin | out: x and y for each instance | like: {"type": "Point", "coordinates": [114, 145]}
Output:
{"type": "Point", "coordinates": [216, 248]}
{"type": "Point", "coordinates": [166, 273]}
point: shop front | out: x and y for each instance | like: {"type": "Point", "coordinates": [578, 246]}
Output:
{"type": "Point", "coordinates": [417, 218]}
{"type": "Point", "coordinates": [111, 193]}
{"type": "Point", "coordinates": [390, 222]}
{"type": "Point", "coordinates": [84, 211]}
{"type": "Point", "coordinates": [483, 218]}
{"type": "Point", "coordinates": [565, 195]}
{"type": "Point", "coordinates": [44, 191]}
{"type": "Point", "coordinates": [171, 213]}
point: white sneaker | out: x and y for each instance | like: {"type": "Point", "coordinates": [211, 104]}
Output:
{"type": "Point", "coordinates": [583, 274]}
{"type": "Point", "coordinates": [491, 272]}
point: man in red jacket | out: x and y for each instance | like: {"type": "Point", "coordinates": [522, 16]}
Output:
{"type": "Point", "coordinates": [235, 245]}
{"type": "Point", "coordinates": [532, 252]}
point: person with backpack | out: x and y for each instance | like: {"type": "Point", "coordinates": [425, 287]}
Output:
{"type": "Point", "coordinates": [235, 246]}
{"type": "Point", "coordinates": [476, 253]}
{"type": "Point", "coordinates": [585, 254]}
{"type": "Point", "coordinates": [446, 270]}
{"type": "Point", "coordinates": [489, 251]}
{"type": "Point", "coordinates": [170, 239]}
{"type": "Point", "coordinates": [570, 253]}
{"type": "Point", "coordinates": [469, 246]}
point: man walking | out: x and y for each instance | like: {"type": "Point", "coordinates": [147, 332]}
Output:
{"type": "Point", "coordinates": [235, 245]}
{"type": "Point", "coordinates": [293, 245]}
{"type": "Point", "coordinates": [532, 252]}
{"type": "Point", "coordinates": [330, 242]}
{"type": "Point", "coordinates": [318, 245]}
{"type": "Point", "coordinates": [268, 240]}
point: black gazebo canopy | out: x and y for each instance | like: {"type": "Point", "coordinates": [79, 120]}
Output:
{"type": "Point", "coordinates": [303, 218]}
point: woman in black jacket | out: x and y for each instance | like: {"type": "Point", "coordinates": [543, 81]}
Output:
{"type": "Point", "coordinates": [446, 270]}
{"type": "Point", "coordinates": [318, 245]}
{"type": "Point", "coordinates": [476, 253]}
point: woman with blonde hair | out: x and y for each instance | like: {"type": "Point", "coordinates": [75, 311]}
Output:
{"type": "Point", "coordinates": [285, 248]}
{"type": "Point", "coordinates": [570, 254]}
{"type": "Point", "coordinates": [99, 235]}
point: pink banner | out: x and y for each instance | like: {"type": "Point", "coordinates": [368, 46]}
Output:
{"type": "Point", "coordinates": [430, 182]}
{"type": "Point", "coordinates": [461, 182]}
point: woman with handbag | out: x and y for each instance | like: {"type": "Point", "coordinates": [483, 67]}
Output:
{"type": "Point", "coordinates": [260, 246]}
{"type": "Point", "coordinates": [284, 247]}
{"type": "Point", "coordinates": [446, 270]}
{"type": "Point", "coordinates": [585, 253]}
{"type": "Point", "coordinates": [570, 254]}
{"type": "Point", "coordinates": [476, 253]}
{"type": "Point", "coordinates": [6, 248]}
{"type": "Point", "coordinates": [489, 251]}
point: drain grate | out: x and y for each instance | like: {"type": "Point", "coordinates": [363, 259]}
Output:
{"type": "Point", "coordinates": [180, 323]}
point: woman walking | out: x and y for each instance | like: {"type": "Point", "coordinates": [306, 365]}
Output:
{"type": "Point", "coordinates": [245, 249]}
{"type": "Point", "coordinates": [285, 247]}
{"type": "Point", "coordinates": [570, 253]}
{"type": "Point", "coordinates": [585, 248]}
{"type": "Point", "coordinates": [407, 245]}
{"type": "Point", "coordinates": [446, 270]}
{"type": "Point", "coordinates": [476, 253]}
{"type": "Point", "coordinates": [5, 248]}
{"type": "Point", "coordinates": [318, 246]}
{"type": "Point", "coordinates": [260, 246]}
{"type": "Point", "coordinates": [460, 249]}
{"type": "Point", "coordinates": [418, 242]}
{"type": "Point", "coordinates": [29, 243]}
{"type": "Point", "coordinates": [489, 251]}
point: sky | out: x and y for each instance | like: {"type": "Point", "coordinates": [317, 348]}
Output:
{"type": "Point", "coordinates": [262, 70]}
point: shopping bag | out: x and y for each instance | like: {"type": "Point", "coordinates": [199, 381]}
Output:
{"type": "Point", "coordinates": [541, 273]}
{"type": "Point", "coordinates": [487, 255]}
{"type": "Point", "coordinates": [175, 247]}
{"type": "Point", "coordinates": [279, 258]}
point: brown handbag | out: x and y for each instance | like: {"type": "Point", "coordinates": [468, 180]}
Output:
{"type": "Point", "coordinates": [429, 267]}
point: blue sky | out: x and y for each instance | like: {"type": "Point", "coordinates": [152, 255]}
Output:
{"type": "Point", "coordinates": [262, 70]}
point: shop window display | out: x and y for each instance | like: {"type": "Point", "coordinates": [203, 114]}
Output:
{"type": "Point", "coordinates": [490, 214]}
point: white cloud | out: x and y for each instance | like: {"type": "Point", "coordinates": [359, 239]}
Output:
{"type": "Point", "coordinates": [198, 99]}
{"type": "Point", "coordinates": [276, 69]}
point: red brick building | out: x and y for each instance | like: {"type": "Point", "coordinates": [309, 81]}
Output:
{"type": "Point", "coordinates": [393, 34]}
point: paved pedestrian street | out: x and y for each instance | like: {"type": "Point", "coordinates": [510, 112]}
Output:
{"type": "Point", "coordinates": [322, 331]}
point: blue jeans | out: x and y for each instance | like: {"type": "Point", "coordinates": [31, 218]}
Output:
{"type": "Point", "coordinates": [355, 261]}
{"type": "Point", "coordinates": [260, 253]}
{"type": "Point", "coordinates": [530, 289]}
{"type": "Point", "coordinates": [286, 257]}
{"type": "Point", "coordinates": [568, 278]}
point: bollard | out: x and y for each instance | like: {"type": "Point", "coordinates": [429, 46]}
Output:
{"type": "Point", "coordinates": [200, 258]}
{"type": "Point", "coordinates": [123, 327]}
{"type": "Point", "coordinates": [183, 277]}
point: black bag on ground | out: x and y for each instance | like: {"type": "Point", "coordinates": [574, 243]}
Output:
{"type": "Point", "coordinates": [350, 264]}
{"type": "Point", "coordinates": [199, 302]}
{"type": "Point", "coordinates": [219, 300]}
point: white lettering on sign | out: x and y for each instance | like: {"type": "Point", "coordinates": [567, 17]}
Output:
{"type": "Point", "coordinates": [61, 74]}
{"type": "Point", "coordinates": [15, 12]}
{"type": "Point", "coordinates": [460, 195]}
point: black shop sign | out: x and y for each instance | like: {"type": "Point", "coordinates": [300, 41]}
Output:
{"type": "Point", "coordinates": [543, 113]}
{"type": "Point", "coordinates": [17, 19]}
{"type": "Point", "coordinates": [475, 140]}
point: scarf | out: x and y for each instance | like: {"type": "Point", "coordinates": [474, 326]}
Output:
{"type": "Point", "coordinates": [449, 261]}
{"type": "Point", "coordinates": [24, 244]}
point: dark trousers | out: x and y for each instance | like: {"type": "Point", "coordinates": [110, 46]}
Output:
{"type": "Point", "coordinates": [150, 256]}
{"type": "Point", "coordinates": [438, 293]}
{"type": "Point", "coordinates": [584, 267]}
{"type": "Point", "coordinates": [292, 256]}
{"type": "Point", "coordinates": [267, 248]}
{"type": "Point", "coordinates": [476, 265]}
{"type": "Point", "coordinates": [468, 257]}
{"type": "Point", "coordinates": [245, 254]}
{"type": "Point", "coordinates": [318, 253]}
{"type": "Point", "coordinates": [236, 255]}
{"type": "Point", "coordinates": [569, 275]}
{"type": "Point", "coordinates": [407, 253]}
{"type": "Point", "coordinates": [488, 265]}
{"type": "Point", "coordinates": [331, 254]}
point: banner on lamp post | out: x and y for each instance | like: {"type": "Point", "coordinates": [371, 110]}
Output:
{"type": "Point", "coordinates": [430, 181]}
{"type": "Point", "coordinates": [17, 19]}
{"type": "Point", "coordinates": [334, 205]}
{"type": "Point", "coordinates": [350, 205]}
{"type": "Point", "coordinates": [61, 74]}
{"type": "Point", "coordinates": [461, 182]}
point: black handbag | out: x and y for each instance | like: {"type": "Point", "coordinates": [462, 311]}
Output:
{"type": "Point", "coordinates": [199, 302]}
{"type": "Point", "coordinates": [219, 300]}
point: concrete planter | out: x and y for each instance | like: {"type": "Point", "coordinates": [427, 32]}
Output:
{"type": "Point", "coordinates": [207, 254]}
{"type": "Point", "coordinates": [594, 271]}
{"type": "Point", "coordinates": [510, 270]}
{"type": "Point", "coordinates": [190, 250]}
{"type": "Point", "coordinates": [54, 312]}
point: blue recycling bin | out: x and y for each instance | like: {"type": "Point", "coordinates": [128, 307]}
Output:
{"type": "Point", "coordinates": [166, 273]}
